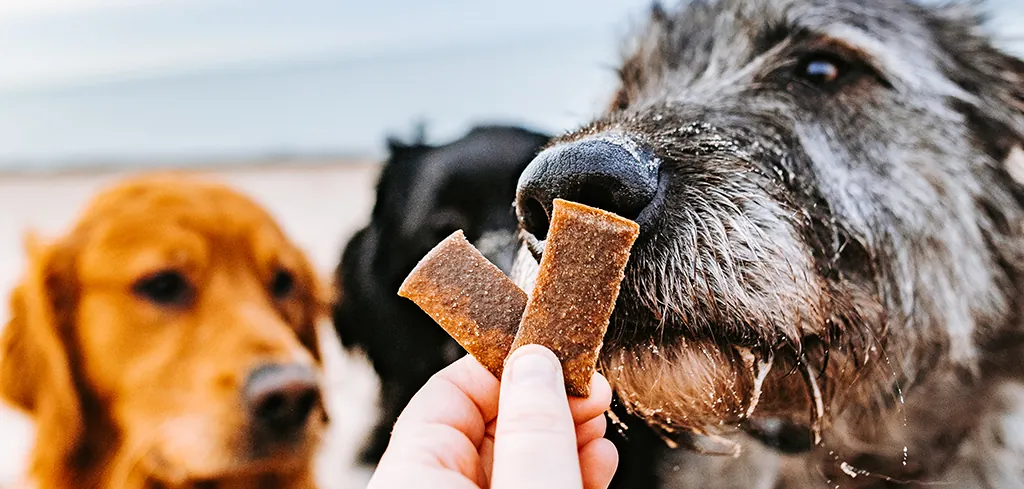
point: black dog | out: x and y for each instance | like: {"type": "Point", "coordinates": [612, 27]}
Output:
{"type": "Point", "coordinates": [424, 194]}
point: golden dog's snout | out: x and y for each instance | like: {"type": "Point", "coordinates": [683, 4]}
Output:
{"type": "Point", "coordinates": [280, 399]}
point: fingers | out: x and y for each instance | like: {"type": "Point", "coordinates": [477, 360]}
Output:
{"type": "Point", "coordinates": [584, 409]}
{"type": "Point", "coordinates": [535, 438]}
{"type": "Point", "coordinates": [463, 396]}
{"type": "Point", "coordinates": [487, 460]}
{"type": "Point", "coordinates": [443, 426]}
{"type": "Point", "coordinates": [586, 432]}
{"type": "Point", "coordinates": [590, 430]}
{"type": "Point", "coordinates": [598, 460]}
{"type": "Point", "coordinates": [400, 476]}
{"type": "Point", "coordinates": [542, 438]}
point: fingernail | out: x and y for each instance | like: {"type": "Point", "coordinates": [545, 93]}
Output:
{"type": "Point", "coordinates": [531, 366]}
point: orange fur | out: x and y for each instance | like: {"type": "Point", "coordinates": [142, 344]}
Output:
{"type": "Point", "coordinates": [127, 393]}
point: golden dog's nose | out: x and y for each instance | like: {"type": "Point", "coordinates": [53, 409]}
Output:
{"type": "Point", "coordinates": [281, 398]}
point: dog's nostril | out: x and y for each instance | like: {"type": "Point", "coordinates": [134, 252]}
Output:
{"type": "Point", "coordinates": [307, 402]}
{"type": "Point", "coordinates": [534, 218]}
{"type": "Point", "coordinates": [600, 196]}
{"type": "Point", "coordinates": [613, 174]}
{"type": "Point", "coordinates": [273, 407]}
{"type": "Point", "coordinates": [281, 398]}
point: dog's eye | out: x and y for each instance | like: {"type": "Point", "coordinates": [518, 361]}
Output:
{"type": "Point", "coordinates": [833, 68]}
{"type": "Point", "coordinates": [821, 69]}
{"type": "Point", "coordinates": [282, 285]}
{"type": "Point", "coordinates": [166, 288]}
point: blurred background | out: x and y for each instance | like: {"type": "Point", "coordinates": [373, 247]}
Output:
{"type": "Point", "coordinates": [290, 100]}
{"type": "Point", "coordinates": [87, 82]}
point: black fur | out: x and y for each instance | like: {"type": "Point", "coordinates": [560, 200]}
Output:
{"type": "Point", "coordinates": [424, 194]}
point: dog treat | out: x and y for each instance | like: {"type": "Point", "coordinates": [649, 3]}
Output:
{"type": "Point", "coordinates": [577, 284]}
{"type": "Point", "coordinates": [469, 297]}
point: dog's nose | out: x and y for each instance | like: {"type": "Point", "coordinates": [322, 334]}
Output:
{"type": "Point", "coordinates": [613, 174]}
{"type": "Point", "coordinates": [282, 397]}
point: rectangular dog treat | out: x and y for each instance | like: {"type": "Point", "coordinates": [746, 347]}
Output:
{"type": "Point", "coordinates": [577, 284]}
{"type": "Point", "coordinates": [469, 297]}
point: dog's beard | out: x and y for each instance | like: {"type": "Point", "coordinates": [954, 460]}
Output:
{"type": "Point", "coordinates": [723, 329]}
{"type": "Point", "coordinates": [688, 389]}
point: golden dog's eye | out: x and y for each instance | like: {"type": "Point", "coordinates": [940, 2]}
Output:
{"type": "Point", "coordinates": [282, 285]}
{"type": "Point", "coordinates": [167, 288]}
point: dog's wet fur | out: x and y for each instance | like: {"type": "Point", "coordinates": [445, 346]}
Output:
{"type": "Point", "coordinates": [425, 192]}
{"type": "Point", "coordinates": [832, 265]}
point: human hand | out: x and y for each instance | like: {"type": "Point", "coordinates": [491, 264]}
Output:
{"type": "Point", "coordinates": [458, 433]}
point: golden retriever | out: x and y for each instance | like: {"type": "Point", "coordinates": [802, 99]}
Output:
{"type": "Point", "coordinates": [167, 341]}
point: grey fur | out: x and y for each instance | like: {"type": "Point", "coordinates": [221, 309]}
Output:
{"type": "Point", "coordinates": [869, 233]}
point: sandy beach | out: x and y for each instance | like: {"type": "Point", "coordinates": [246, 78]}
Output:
{"type": "Point", "coordinates": [319, 204]}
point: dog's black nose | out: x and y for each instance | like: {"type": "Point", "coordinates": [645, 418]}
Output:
{"type": "Point", "coordinates": [281, 398]}
{"type": "Point", "coordinates": [613, 174]}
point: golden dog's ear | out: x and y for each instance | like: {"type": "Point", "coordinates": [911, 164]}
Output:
{"type": "Point", "coordinates": [35, 372]}
{"type": "Point", "coordinates": [316, 308]}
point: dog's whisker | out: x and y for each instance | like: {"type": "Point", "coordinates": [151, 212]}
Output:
{"type": "Point", "coordinates": [817, 401]}
{"type": "Point", "coordinates": [759, 369]}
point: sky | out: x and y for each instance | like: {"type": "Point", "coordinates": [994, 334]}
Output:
{"type": "Point", "coordinates": [102, 80]}
{"type": "Point", "coordinates": [23, 8]}
{"type": "Point", "coordinates": [52, 42]}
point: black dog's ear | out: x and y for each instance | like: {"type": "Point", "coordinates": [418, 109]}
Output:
{"type": "Point", "coordinates": [419, 137]}
{"type": "Point", "coordinates": [396, 146]}
{"type": "Point", "coordinates": [397, 177]}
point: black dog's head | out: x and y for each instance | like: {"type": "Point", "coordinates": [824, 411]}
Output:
{"type": "Point", "coordinates": [424, 194]}
{"type": "Point", "coordinates": [825, 205]}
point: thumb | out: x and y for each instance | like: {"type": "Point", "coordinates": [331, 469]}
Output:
{"type": "Point", "coordinates": [535, 437]}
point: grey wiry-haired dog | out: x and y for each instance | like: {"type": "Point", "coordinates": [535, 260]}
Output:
{"type": "Point", "coordinates": [832, 241]}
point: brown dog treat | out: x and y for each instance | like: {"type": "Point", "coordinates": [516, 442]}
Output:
{"type": "Point", "coordinates": [578, 282]}
{"type": "Point", "coordinates": [469, 297]}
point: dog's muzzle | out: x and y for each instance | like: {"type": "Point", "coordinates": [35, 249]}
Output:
{"type": "Point", "coordinates": [281, 400]}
